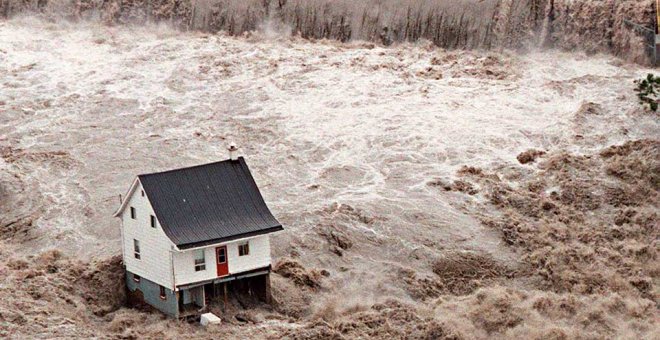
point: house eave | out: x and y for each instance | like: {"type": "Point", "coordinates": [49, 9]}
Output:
{"type": "Point", "coordinates": [206, 243]}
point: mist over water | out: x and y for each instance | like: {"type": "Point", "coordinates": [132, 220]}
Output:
{"type": "Point", "coordinates": [592, 26]}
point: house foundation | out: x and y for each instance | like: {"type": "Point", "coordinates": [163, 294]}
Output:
{"type": "Point", "coordinates": [143, 293]}
{"type": "Point", "coordinates": [193, 299]}
{"type": "Point", "coordinates": [257, 286]}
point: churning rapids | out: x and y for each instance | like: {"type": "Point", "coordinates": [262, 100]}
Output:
{"type": "Point", "coordinates": [345, 140]}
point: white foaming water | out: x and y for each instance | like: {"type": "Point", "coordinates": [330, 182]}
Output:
{"type": "Point", "coordinates": [318, 122]}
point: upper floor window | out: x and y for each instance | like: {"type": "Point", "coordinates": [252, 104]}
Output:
{"type": "Point", "coordinates": [244, 249]}
{"type": "Point", "coordinates": [142, 193]}
{"type": "Point", "coordinates": [133, 214]}
{"type": "Point", "coordinates": [200, 261]}
{"type": "Point", "coordinates": [153, 221]}
{"type": "Point", "coordinates": [136, 248]}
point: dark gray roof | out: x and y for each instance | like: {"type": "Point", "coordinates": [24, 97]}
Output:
{"type": "Point", "coordinates": [208, 203]}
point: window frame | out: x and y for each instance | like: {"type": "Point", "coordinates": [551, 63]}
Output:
{"type": "Point", "coordinates": [136, 249]}
{"type": "Point", "coordinates": [224, 254]}
{"type": "Point", "coordinates": [199, 264]}
{"type": "Point", "coordinates": [163, 293]}
{"type": "Point", "coordinates": [133, 213]}
{"type": "Point", "coordinates": [153, 222]}
{"type": "Point", "coordinates": [244, 249]}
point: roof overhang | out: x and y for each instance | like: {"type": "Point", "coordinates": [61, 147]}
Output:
{"type": "Point", "coordinates": [206, 243]}
{"type": "Point", "coordinates": [205, 205]}
{"type": "Point", "coordinates": [124, 201]}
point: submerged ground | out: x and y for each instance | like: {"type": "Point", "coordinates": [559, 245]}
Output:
{"type": "Point", "coordinates": [394, 171]}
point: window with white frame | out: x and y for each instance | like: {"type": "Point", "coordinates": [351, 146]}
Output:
{"type": "Point", "coordinates": [244, 249]}
{"type": "Point", "coordinates": [200, 261]}
{"type": "Point", "coordinates": [136, 248]}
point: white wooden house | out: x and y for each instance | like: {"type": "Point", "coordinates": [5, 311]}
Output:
{"type": "Point", "coordinates": [189, 233]}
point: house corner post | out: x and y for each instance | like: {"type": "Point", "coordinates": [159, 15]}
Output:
{"type": "Point", "coordinates": [268, 298]}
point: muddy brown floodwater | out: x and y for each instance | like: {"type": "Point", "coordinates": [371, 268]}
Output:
{"type": "Point", "coordinates": [395, 172]}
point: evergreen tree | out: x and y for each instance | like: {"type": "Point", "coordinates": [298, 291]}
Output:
{"type": "Point", "coordinates": [647, 91]}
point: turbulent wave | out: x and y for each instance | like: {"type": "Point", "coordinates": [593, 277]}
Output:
{"type": "Point", "coordinates": [593, 26]}
{"type": "Point", "coordinates": [426, 193]}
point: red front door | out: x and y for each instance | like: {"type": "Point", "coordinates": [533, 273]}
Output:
{"type": "Point", "coordinates": [221, 260]}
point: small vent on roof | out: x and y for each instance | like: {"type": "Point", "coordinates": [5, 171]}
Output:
{"type": "Point", "coordinates": [233, 151]}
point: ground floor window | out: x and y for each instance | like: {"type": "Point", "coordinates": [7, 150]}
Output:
{"type": "Point", "coordinates": [136, 278]}
{"type": "Point", "coordinates": [136, 248]}
{"type": "Point", "coordinates": [163, 294]}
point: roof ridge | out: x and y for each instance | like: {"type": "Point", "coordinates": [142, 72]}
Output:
{"type": "Point", "coordinates": [188, 167]}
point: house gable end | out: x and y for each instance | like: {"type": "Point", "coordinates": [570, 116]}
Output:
{"type": "Point", "coordinates": [153, 261]}
{"type": "Point", "coordinates": [127, 197]}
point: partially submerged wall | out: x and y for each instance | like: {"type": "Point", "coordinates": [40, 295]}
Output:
{"type": "Point", "coordinates": [147, 292]}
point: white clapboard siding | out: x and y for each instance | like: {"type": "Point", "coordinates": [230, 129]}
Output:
{"type": "Point", "coordinates": [155, 257]}
{"type": "Point", "coordinates": [259, 255]}
{"type": "Point", "coordinates": [184, 261]}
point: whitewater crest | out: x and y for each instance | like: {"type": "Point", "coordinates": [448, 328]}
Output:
{"type": "Point", "coordinates": [425, 192]}
{"type": "Point", "coordinates": [592, 26]}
